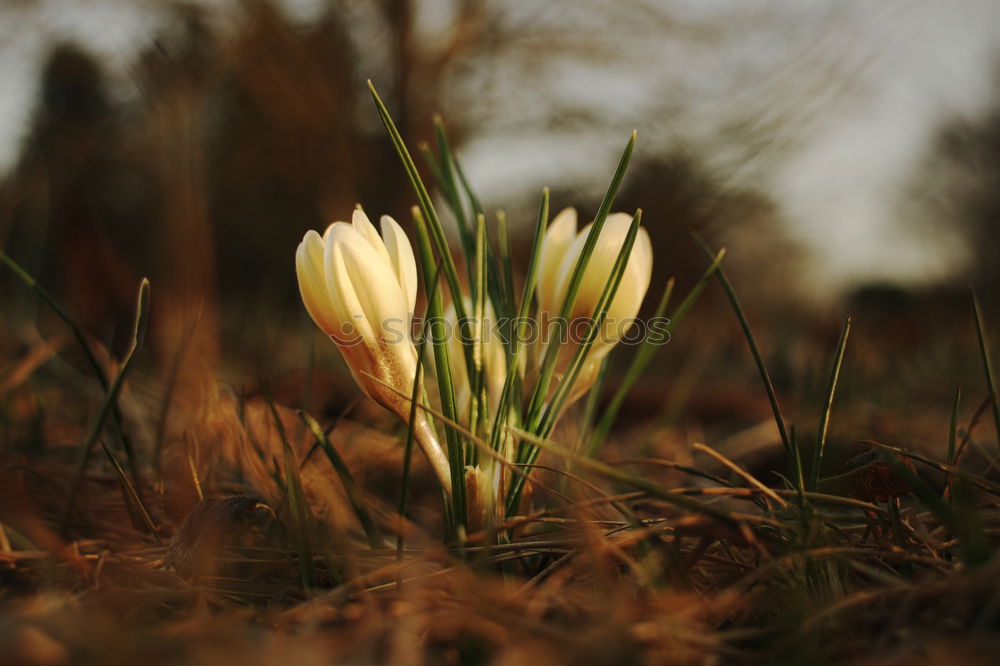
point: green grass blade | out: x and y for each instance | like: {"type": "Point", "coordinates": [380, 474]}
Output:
{"type": "Point", "coordinates": [88, 352]}
{"type": "Point", "coordinates": [966, 528]}
{"type": "Point", "coordinates": [446, 385]}
{"type": "Point", "coordinates": [541, 390]}
{"type": "Point", "coordinates": [449, 186]}
{"type": "Point", "coordinates": [644, 355]}
{"type": "Point", "coordinates": [508, 397]}
{"type": "Point", "coordinates": [506, 261]}
{"type": "Point", "coordinates": [132, 494]}
{"type": "Point", "coordinates": [478, 404]}
{"type": "Point", "coordinates": [301, 518]}
{"type": "Point", "coordinates": [824, 420]}
{"type": "Point", "coordinates": [587, 418]}
{"type": "Point", "coordinates": [984, 350]}
{"type": "Point", "coordinates": [354, 494]}
{"type": "Point", "coordinates": [529, 453]}
{"type": "Point", "coordinates": [565, 386]}
{"type": "Point", "coordinates": [953, 426]}
{"type": "Point", "coordinates": [615, 474]}
{"type": "Point", "coordinates": [111, 397]}
{"type": "Point", "coordinates": [404, 482]}
{"type": "Point", "coordinates": [452, 168]}
{"type": "Point", "coordinates": [433, 222]}
{"type": "Point", "coordinates": [757, 356]}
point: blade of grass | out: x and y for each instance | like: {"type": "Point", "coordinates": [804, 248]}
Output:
{"type": "Point", "coordinates": [565, 386]}
{"type": "Point", "coordinates": [953, 426]}
{"type": "Point", "coordinates": [644, 356]}
{"type": "Point", "coordinates": [747, 476]}
{"type": "Point", "coordinates": [506, 261]}
{"type": "Point", "coordinates": [88, 352]}
{"type": "Point", "coordinates": [299, 510]}
{"type": "Point", "coordinates": [354, 494]}
{"type": "Point", "coordinates": [433, 222]}
{"type": "Point", "coordinates": [824, 420]}
{"type": "Point", "coordinates": [593, 402]}
{"type": "Point", "coordinates": [446, 385]}
{"type": "Point", "coordinates": [640, 361]}
{"type": "Point", "coordinates": [130, 490]}
{"type": "Point", "coordinates": [527, 453]}
{"type": "Point", "coordinates": [541, 389]}
{"type": "Point", "coordinates": [404, 482]}
{"type": "Point", "coordinates": [477, 380]}
{"type": "Point", "coordinates": [508, 401]}
{"type": "Point", "coordinates": [501, 305]}
{"type": "Point", "coordinates": [984, 350]}
{"type": "Point", "coordinates": [446, 178]}
{"type": "Point", "coordinates": [952, 471]}
{"type": "Point", "coordinates": [449, 186]}
{"type": "Point", "coordinates": [111, 397]}
{"type": "Point", "coordinates": [755, 351]}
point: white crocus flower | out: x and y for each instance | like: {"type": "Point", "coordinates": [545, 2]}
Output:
{"type": "Point", "coordinates": [360, 289]}
{"type": "Point", "coordinates": [561, 250]}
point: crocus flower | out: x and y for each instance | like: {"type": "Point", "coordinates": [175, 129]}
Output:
{"type": "Point", "coordinates": [360, 289]}
{"type": "Point", "coordinates": [561, 250]}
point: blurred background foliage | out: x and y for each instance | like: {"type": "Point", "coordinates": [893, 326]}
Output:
{"type": "Point", "coordinates": [848, 156]}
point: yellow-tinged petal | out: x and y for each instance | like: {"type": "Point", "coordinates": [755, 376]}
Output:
{"type": "Point", "coordinates": [401, 256]}
{"type": "Point", "coordinates": [558, 238]}
{"type": "Point", "coordinates": [378, 293]}
{"type": "Point", "coordinates": [595, 277]}
{"type": "Point", "coordinates": [312, 285]}
{"type": "Point", "coordinates": [365, 229]}
{"type": "Point", "coordinates": [353, 326]}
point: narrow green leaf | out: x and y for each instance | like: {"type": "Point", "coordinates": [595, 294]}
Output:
{"type": "Point", "coordinates": [446, 385]}
{"type": "Point", "coordinates": [506, 261]}
{"type": "Point", "coordinates": [88, 352]}
{"type": "Point", "coordinates": [824, 420]}
{"type": "Point", "coordinates": [593, 402]}
{"type": "Point", "coordinates": [132, 494]}
{"type": "Point", "coordinates": [111, 397]}
{"type": "Point", "coordinates": [528, 453]}
{"type": "Point", "coordinates": [650, 345]}
{"type": "Point", "coordinates": [984, 350]}
{"type": "Point", "coordinates": [953, 426]}
{"type": "Point", "coordinates": [404, 482]}
{"type": "Point", "coordinates": [354, 494]}
{"type": "Point", "coordinates": [757, 356]}
{"type": "Point", "coordinates": [478, 403]}
{"type": "Point", "coordinates": [550, 357]}
{"type": "Point", "coordinates": [433, 222]}
{"type": "Point", "coordinates": [509, 395]}
{"type": "Point", "coordinates": [300, 514]}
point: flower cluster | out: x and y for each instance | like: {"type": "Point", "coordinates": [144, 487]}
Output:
{"type": "Point", "coordinates": [359, 286]}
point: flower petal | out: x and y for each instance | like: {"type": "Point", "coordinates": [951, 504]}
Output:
{"type": "Point", "coordinates": [346, 304]}
{"type": "Point", "coordinates": [380, 298]}
{"type": "Point", "coordinates": [365, 228]}
{"type": "Point", "coordinates": [312, 284]}
{"type": "Point", "coordinates": [401, 256]}
{"type": "Point", "coordinates": [558, 238]}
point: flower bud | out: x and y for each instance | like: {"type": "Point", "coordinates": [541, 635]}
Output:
{"type": "Point", "coordinates": [360, 289]}
{"type": "Point", "coordinates": [561, 251]}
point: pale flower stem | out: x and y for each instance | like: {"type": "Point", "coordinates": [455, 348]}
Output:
{"type": "Point", "coordinates": [428, 441]}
